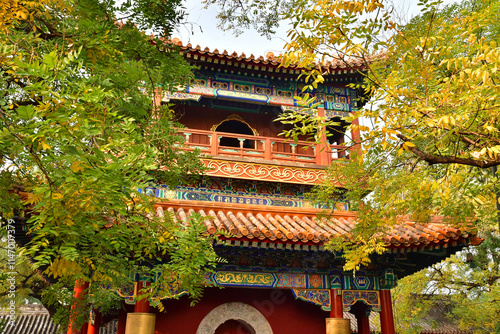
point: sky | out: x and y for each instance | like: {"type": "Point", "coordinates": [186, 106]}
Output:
{"type": "Point", "coordinates": [202, 30]}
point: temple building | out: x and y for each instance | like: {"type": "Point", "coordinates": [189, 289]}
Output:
{"type": "Point", "coordinates": [277, 278]}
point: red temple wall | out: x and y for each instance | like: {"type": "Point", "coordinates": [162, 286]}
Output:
{"type": "Point", "coordinates": [285, 314]}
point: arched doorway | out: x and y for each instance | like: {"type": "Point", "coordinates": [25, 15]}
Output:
{"type": "Point", "coordinates": [235, 317]}
{"type": "Point", "coordinates": [235, 124]}
{"type": "Point", "coordinates": [234, 327]}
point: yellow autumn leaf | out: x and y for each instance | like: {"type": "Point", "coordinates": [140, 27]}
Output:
{"type": "Point", "coordinates": [45, 146]}
{"type": "Point", "coordinates": [33, 198]}
{"type": "Point", "coordinates": [75, 167]}
{"type": "Point", "coordinates": [57, 196]}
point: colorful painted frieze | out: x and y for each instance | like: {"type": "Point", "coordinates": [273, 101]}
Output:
{"type": "Point", "coordinates": [317, 297]}
{"type": "Point", "coordinates": [370, 298]}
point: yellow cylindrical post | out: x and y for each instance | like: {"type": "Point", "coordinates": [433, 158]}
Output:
{"type": "Point", "coordinates": [338, 326]}
{"type": "Point", "coordinates": [140, 323]}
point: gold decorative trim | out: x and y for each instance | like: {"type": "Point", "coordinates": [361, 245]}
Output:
{"type": "Point", "coordinates": [264, 172]}
{"type": "Point", "coordinates": [235, 117]}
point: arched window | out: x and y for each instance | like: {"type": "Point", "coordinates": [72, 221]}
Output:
{"type": "Point", "coordinates": [235, 124]}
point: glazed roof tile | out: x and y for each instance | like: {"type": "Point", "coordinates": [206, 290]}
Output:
{"type": "Point", "coordinates": [269, 59]}
{"type": "Point", "coordinates": [41, 323]}
{"type": "Point", "coordinates": [302, 225]}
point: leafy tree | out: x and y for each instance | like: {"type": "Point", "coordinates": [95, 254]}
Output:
{"type": "Point", "coordinates": [80, 134]}
{"type": "Point", "coordinates": [433, 130]}
{"type": "Point", "coordinates": [468, 282]}
{"type": "Point", "coordinates": [262, 15]}
{"type": "Point", "coordinates": [29, 285]}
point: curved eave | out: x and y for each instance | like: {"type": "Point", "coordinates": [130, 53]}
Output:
{"type": "Point", "coordinates": [261, 226]}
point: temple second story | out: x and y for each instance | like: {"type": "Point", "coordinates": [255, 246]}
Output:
{"type": "Point", "coordinates": [230, 112]}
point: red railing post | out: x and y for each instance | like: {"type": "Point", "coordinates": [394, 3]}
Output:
{"type": "Point", "coordinates": [322, 150]}
{"type": "Point", "coordinates": [267, 149]}
{"type": "Point", "coordinates": [214, 141]}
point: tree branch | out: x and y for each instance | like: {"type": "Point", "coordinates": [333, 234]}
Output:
{"type": "Point", "coordinates": [439, 159]}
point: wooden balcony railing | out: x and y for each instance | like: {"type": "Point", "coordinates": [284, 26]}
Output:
{"type": "Point", "coordinates": [257, 147]}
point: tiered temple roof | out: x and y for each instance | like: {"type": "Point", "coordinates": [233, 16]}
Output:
{"type": "Point", "coordinates": [303, 227]}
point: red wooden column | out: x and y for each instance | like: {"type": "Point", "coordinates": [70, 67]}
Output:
{"type": "Point", "coordinates": [79, 292]}
{"type": "Point", "coordinates": [360, 312]}
{"type": "Point", "coordinates": [122, 321]}
{"type": "Point", "coordinates": [386, 315]}
{"type": "Point", "coordinates": [336, 309]}
{"type": "Point", "coordinates": [85, 328]}
{"type": "Point", "coordinates": [363, 324]}
{"type": "Point", "coordinates": [141, 305]}
{"type": "Point", "coordinates": [141, 321]}
{"type": "Point", "coordinates": [336, 324]}
{"type": "Point", "coordinates": [93, 328]}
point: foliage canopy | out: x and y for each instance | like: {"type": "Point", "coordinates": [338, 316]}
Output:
{"type": "Point", "coordinates": [80, 134]}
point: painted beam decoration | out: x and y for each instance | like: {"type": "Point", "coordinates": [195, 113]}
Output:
{"type": "Point", "coordinates": [389, 280]}
{"type": "Point", "coordinates": [227, 190]}
{"type": "Point", "coordinates": [337, 101]}
{"type": "Point", "coordinates": [167, 96]}
{"type": "Point", "coordinates": [293, 281]}
{"type": "Point", "coordinates": [317, 297]}
{"type": "Point", "coordinates": [228, 278]}
{"type": "Point", "coordinates": [267, 280]}
{"type": "Point", "coordinates": [361, 283]}
{"type": "Point", "coordinates": [249, 192]}
{"type": "Point", "coordinates": [312, 288]}
{"type": "Point", "coordinates": [349, 298]}
{"type": "Point", "coordinates": [370, 298]}
{"type": "Point", "coordinates": [241, 96]}
{"type": "Point", "coordinates": [308, 111]}
{"type": "Point", "coordinates": [261, 172]}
